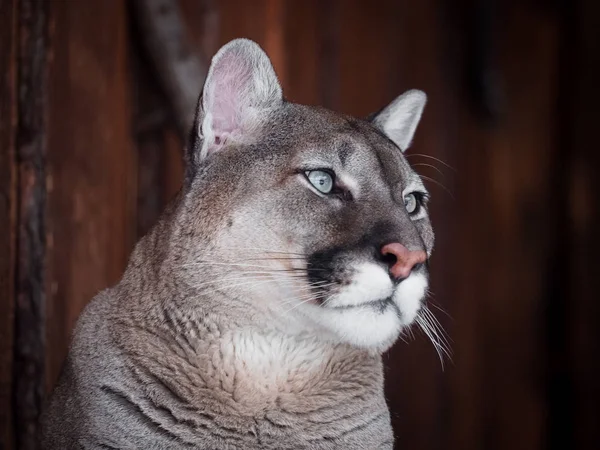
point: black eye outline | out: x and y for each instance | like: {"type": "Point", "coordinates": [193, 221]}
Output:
{"type": "Point", "coordinates": [421, 199]}
{"type": "Point", "coordinates": [336, 191]}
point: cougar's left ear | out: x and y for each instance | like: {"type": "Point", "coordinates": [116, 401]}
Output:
{"type": "Point", "coordinates": [400, 118]}
{"type": "Point", "coordinates": [240, 89]}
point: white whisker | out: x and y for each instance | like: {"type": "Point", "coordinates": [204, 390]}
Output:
{"type": "Point", "coordinates": [442, 335]}
{"type": "Point", "coordinates": [432, 157]}
{"type": "Point", "coordinates": [439, 344]}
{"type": "Point", "coordinates": [428, 165]}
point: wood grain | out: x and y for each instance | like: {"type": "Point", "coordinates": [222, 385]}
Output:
{"type": "Point", "coordinates": [30, 309]}
{"type": "Point", "coordinates": [8, 207]}
{"type": "Point", "coordinates": [91, 163]}
{"type": "Point", "coordinates": [579, 100]}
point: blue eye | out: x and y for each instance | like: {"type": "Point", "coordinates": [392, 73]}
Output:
{"type": "Point", "coordinates": [321, 180]}
{"type": "Point", "coordinates": [410, 203]}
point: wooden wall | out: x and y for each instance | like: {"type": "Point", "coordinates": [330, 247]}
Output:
{"type": "Point", "coordinates": [89, 155]}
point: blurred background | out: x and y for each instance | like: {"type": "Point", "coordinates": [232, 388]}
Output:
{"type": "Point", "coordinates": [94, 98]}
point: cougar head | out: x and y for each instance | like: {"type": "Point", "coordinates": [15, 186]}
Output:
{"type": "Point", "coordinates": [314, 216]}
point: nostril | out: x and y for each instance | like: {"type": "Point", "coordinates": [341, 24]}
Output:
{"type": "Point", "coordinates": [402, 261]}
{"type": "Point", "coordinates": [389, 259]}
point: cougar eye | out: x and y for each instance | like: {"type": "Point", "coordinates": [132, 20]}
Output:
{"type": "Point", "coordinates": [411, 203]}
{"type": "Point", "coordinates": [321, 180]}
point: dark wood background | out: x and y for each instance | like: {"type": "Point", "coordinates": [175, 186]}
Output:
{"type": "Point", "coordinates": [90, 154]}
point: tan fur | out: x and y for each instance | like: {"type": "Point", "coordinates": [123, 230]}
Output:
{"type": "Point", "coordinates": [216, 337]}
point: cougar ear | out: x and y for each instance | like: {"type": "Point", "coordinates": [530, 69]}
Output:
{"type": "Point", "coordinates": [240, 87]}
{"type": "Point", "coordinates": [400, 118]}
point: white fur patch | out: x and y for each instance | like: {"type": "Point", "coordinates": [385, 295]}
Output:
{"type": "Point", "coordinates": [270, 351]}
{"type": "Point", "coordinates": [365, 327]}
{"type": "Point", "coordinates": [352, 317]}
{"type": "Point", "coordinates": [370, 283]}
{"type": "Point", "coordinates": [409, 295]}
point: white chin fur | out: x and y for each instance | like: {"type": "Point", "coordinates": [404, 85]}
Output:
{"type": "Point", "coordinates": [365, 327]}
{"type": "Point", "coordinates": [369, 283]}
{"type": "Point", "coordinates": [370, 326]}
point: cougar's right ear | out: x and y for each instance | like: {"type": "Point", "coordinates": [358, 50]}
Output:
{"type": "Point", "coordinates": [240, 88]}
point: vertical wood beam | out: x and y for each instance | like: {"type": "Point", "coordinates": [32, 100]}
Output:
{"type": "Point", "coordinates": [259, 20]}
{"type": "Point", "coordinates": [8, 208]}
{"type": "Point", "coordinates": [30, 311]}
{"type": "Point", "coordinates": [577, 370]}
{"type": "Point", "coordinates": [91, 162]}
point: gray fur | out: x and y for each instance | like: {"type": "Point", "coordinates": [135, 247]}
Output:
{"type": "Point", "coordinates": [206, 341]}
{"type": "Point", "coordinates": [400, 118]}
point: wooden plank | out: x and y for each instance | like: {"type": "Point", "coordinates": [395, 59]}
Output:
{"type": "Point", "coordinates": [92, 163]}
{"type": "Point", "coordinates": [8, 219]}
{"type": "Point", "coordinates": [579, 369]}
{"type": "Point", "coordinates": [467, 237]}
{"type": "Point", "coordinates": [274, 38]}
{"type": "Point", "coordinates": [522, 197]}
{"type": "Point", "coordinates": [506, 197]}
{"type": "Point", "coordinates": [328, 22]}
{"type": "Point", "coordinates": [302, 51]}
{"type": "Point", "coordinates": [259, 20]}
{"type": "Point", "coordinates": [203, 22]}
{"type": "Point", "coordinates": [176, 61]}
{"type": "Point", "coordinates": [151, 115]}
{"type": "Point", "coordinates": [366, 33]}
{"type": "Point", "coordinates": [29, 328]}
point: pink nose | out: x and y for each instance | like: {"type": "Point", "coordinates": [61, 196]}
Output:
{"type": "Point", "coordinates": [405, 261]}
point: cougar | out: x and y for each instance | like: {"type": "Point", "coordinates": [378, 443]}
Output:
{"type": "Point", "coordinates": [254, 314]}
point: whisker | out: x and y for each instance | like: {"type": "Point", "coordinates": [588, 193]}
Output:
{"type": "Point", "coordinates": [443, 336]}
{"type": "Point", "coordinates": [442, 342]}
{"type": "Point", "coordinates": [439, 184]}
{"type": "Point", "coordinates": [429, 165]}
{"type": "Point", "coordinates": [440, 309]}
{"type": "Point", "coordinates": [228, 264]}
{"type": "Point", "coordinates": [434, 338]}
{"type": "Point", "coordinates": [256, 277]}
{"type": "Point", "coordinates": [427, 332]}
{"type": "Point", "coordinates": [432, 157]}
{"type": "Point", "coordinates": [303, 290]}
{"type": "Point", "coordinates": [318, 295]}
{"type": "Point", "coordinates": [278, 258]}
{"type": "Point", "coordinates": [409, 332]}
{"type": "Point", "coordinates": [266, 250]}
{"type": "Point", "coordinates": [205, 263]}
{"type": "Point", "coordinates": [312, 298]}
{"type": "Point", "coordinates": [440, 334]}
{"type": "Point", "coordinates": [259, 279]}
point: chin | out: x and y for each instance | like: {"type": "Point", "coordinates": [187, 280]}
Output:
{"type": "Point", "coordinates": [374, 327]}
{"type": "Point", "coordinates": [371, 324]}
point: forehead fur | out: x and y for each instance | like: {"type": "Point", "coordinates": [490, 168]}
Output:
{"type": "Point", "coordinates": [306, 133]}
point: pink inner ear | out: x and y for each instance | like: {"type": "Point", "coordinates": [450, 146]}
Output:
{"type": "Point", "coordinates": [229, 94]}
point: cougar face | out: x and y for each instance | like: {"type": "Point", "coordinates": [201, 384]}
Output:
{"type": "Point", "coordinates": [315, 217]}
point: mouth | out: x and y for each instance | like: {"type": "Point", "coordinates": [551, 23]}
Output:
{"type": "Point", "coordinates": [379, 305]}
